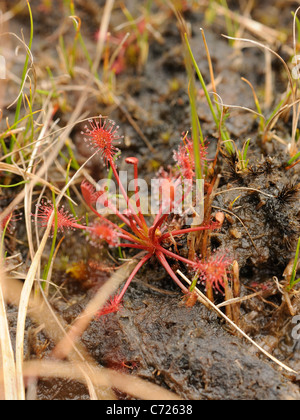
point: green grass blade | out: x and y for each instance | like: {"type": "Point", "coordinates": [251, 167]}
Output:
{"type": "Point", "coordinates": [291, 161]}
{"type": "Point", "coordinates": [224, 134]}
{"type": "Point", "coordinates": [19, 103]}
{"type": "Point", "coordinates": [25, 68]}
{"type": "Point", "coordinates": [293, 281]}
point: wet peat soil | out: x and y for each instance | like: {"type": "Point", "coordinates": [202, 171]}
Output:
{"type": "Point", "coordinates": [190, 350]}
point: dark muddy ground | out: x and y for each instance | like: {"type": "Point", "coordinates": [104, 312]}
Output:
{"type": "Point", "coordinates": [189, 350]}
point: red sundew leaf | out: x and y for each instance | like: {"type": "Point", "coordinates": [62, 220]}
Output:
{"type": "Point", "coordinates": [89, 193]}
{"type": "Point", "coordinates": [64, 219]}
{"type": "Point", "coordinates": [184, 158]}
{"type": "Point", "coordinates": [111, 307]}
{"type": "Point", "coordinates": [213, 270]}
{"type": "Point", "coordinates": [9, 220]}
{"type": "Point", "coordinates": [101, 136]}
{"type": "Point", "coordinates": [101, 231]}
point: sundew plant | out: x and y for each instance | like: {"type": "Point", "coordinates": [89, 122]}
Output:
{"type": "Point", "coordinates": [132, 230]}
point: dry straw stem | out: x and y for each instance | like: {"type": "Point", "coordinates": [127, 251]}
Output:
{"type": "Point", "coordinates": [219, 312]}
{"type": "Point", "coordinates": [81, 366]}
{"type": "Point", "coordinates": [244, 108]}
{"type": "Point", "coordinates": [42, 314]}
{"type": "Point", "coordinates": [81, 323]}
{"type": "Point", "coordinates": [128, 384]}
{"type": "Point", "coordinates": [290, 79]}
{"type": "Point", "coordinates": [6, 350]}
{"type": "Point", "coordinates": [269, 81]}
{"type": "Point", "coordinates": [30, 278]}
{"type": "Point", "coordinates": [295, 38]}
{"type": "Point", "coordinates": [32, 273]}
{"type": "Point", "coordinates": [13, 11]}
{"type": "Point", "coordinates": [239, 299]}
{"type": "Point", "coordinates": [244, 189]}
{"type": "Point", "coordinates": [38, 177]}
{"type": "Point", "coordinates": [30, 69]}
{"type": "Point", "coordinates": [276, 116]}
{"type": "Point", "coordinates": [25, 295]}
{"type": "Point", "coordinates": [29, 187]}
{"type": "Point", "coordinates": [256, 28]}
{"type": "Point", "coordinates": [103, 33]}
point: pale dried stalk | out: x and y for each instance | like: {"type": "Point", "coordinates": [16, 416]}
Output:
{"type": "Point", "coordinates": [82, 367]}
{"type": "Point", "coordinates": [103, 32]}
{"type": "Point", "coordinates": [31, 67]}
{"type": "Point", "coordinates": [29, 187]}
{"type": "Point", "coordinates": [5, 17]}
{"type": "Point", "coordinates": [128, 384]}
{"type": "Point", "coordinates": [20, 172]}
{"type": "Point", "coordinates": [30, 278]}
{"type": "Point", "coordinates": [6, 350]}
{"type": "Point", "coordinates": [291, 147]}
{"type": "Point", "coordinates": [23, 306]}
{"type": "Point", "coordinates": [219, 312]}
{"type": "Point", "coordinates": [256, 28]}
{"type": "Point", "coordinates": [269, 81]}
{"type": "Point", "coordinates": [38, 178]}
{"type": "Point", "coordinates": [239, 300]}
{"type": "Point", "coordinates": [79, 326]}
{"type": "Point", "coordinates": [25, 295]}
{"type": "Point", "coordinates": [55, 327]}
